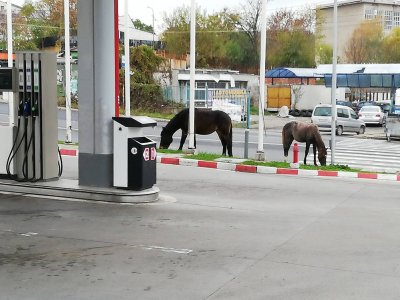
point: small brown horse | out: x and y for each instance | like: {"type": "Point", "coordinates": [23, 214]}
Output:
{"type": "Point", "coordinates": [205, 122]}
{"type": "Point", "coordinates": [304, 133]}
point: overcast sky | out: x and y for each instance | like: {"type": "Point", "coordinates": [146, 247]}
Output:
{"type": "Point", "coordinates": [140, 9]}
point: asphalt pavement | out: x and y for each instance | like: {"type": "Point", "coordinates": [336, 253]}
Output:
{"type": "Point", "coordinates": [213, 234]}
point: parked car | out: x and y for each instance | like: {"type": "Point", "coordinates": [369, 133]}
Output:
{"type": "Point", "coordinates": [358, 105]}
{"type": "Point", "coordinates": [386, 107]}
{"type": "Point", "coordinates": [347, 119]}
{"type": "Point", "coordinates": [372, 114]}
{"type": "Point", "coordinates": [344, 103]}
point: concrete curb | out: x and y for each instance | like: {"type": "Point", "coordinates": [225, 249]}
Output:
{"type": "Point", "coordinates": [273, 170]}
{"type": "Point", "coordinates": [258, 169]}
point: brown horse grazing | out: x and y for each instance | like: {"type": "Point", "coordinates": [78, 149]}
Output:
{"type": "Point", "coordinates": [304, 133]}
{"type": "Point", "coordinates": [205, 122]}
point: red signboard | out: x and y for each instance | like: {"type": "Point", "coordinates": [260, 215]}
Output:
{"type": "Point", "coordinates": [153, 153]}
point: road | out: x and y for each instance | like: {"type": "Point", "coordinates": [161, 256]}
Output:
{"type": "Point", "coordinates": [213, 235]}
{"type": "Point", "coordinates": [366, 154]}
{"type": "Point", "coordinates": [209, 143]}
{"type": "Point", "coordinates": [272, 142]}
{"type": "Point", "coordinates": [61, 122]}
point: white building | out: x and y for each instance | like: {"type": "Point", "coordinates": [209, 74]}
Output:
{"type": "Point", "coordinates": [352, 13]}
{"type": "Point", "coordinates": [137, 37]}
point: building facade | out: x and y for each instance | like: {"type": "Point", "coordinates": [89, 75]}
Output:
{"type": "Point", "coordinates": [352, 13]}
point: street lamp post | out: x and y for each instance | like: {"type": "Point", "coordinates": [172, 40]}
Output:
{"type": "Point", "coordinates": [127, 62]}
{"type": "Point", "coordinates": [152, 10]}
{"type": "Point", "coordinates": [67, 64]}
{"type": "Point", "coordinates": [260, 155]}
{"type": "Point", "coordinates": [10, 60]}
{"type": "Point", "coordinates": [333, 90]}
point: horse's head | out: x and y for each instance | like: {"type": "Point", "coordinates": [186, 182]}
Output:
{"type": "Point", "coordinates": [322, 156]}
{"type": "Point", "coordinates": [166, 139]}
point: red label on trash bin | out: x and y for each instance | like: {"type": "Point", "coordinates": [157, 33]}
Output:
{"type": "Point", "coordinates": [153, 153]}
{"type": "Point", "coordinates": [146, 154]}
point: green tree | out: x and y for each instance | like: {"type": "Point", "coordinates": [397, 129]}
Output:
{"type": "Point", "coordinates": [291, 40]}
{"type": "Point", "coordinates": [145, 91]}
{"type": "Point", "coordinates": [176, 36]}
{"type": "Point", "coordinates": [365, 44]}
{"type": "Point", "coordinates": [391, 47]}
{"type": "Point", "coordinates": [296, 49]}
{"type": "Point", "coordinates": [323, 51]}
{"type": "Point", "coordinates": [141, 26]}
{"type": "Point", "coordinates": [41, 19]}
{"type": "Point", "coordinates": [213, 35]}
{"type": "Point", "coordinates": [324, 54]}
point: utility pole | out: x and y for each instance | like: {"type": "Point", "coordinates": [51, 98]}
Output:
{"type": "Point", "coordinates": [10, 61]}
{"type": "Point", "coordinates": [333, 88]}
{"type": "Point", "coordinates": [260, 155]}
{"type": "Point", "coordinates": [127, 63]}
{"type": "Point", "coordinates": [67, 65]}
{"type": "Point", "coordinates": [152, 10]}
{"type": "Point", "coordinates": [192, 73]}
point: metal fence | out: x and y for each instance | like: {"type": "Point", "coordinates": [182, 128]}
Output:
{"type": "Point", "coordinates": [232, 101]}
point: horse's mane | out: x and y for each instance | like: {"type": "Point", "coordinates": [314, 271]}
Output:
{"type": "Point", "coordinates": [176, 122]}
{"type": "Point", "coordinates": [318, 138]}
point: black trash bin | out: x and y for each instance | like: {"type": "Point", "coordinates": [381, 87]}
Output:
{"type": "Point", "coordinates": [142, 163]}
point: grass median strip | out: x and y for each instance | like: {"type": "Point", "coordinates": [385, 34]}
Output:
{"type": "Point", "coordinates": [277, 164]}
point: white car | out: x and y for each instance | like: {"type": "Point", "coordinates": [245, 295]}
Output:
{"type": "Point", "coordinates": [347, 119]}
{"type": "Point", "coordinates": [372, 114]}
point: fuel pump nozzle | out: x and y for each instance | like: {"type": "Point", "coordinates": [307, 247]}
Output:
{"type": "Point", "coordinates": [26, 110]}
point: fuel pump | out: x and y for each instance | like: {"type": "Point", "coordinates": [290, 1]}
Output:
{"type": "Point", "coordinates": [35, 148]}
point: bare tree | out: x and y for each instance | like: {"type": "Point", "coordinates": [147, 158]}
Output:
{"type": "Point", "coordinates": [248, 22]}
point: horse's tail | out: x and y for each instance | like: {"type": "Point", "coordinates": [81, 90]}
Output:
{"type": "Point", "coordinates": [286, 132]}
{"type": "Point", "coordinates": [287, 137]}
{"type": "Point", "coordinates": [230, 132]}
{"type": "Point", "coordinates": [229, 145]}
{"type": "Point", "coordinates": [318, 139]}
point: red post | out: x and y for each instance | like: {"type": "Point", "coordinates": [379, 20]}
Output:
{"type": "Point", "coordinates": [295, 153]}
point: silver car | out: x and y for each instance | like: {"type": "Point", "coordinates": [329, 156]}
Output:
{"type": "Point", "coordinates": [347, 119]}
{"type": "Point", "coordinates": [372, 114]}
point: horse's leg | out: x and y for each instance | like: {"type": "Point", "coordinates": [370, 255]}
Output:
{"type": "Point", "coordinates": [223, 142]}
{"type": "Point", "coordinates": [183, 139]}
{"type": "Point", "coordinates": [315, 154]}
{"type": "Point", "coordinates": [286, 145]}
{"type": "Point", "coordinates": [229, 146]}
{"type": "Point", "coordinates": [306, 153]}
{"type": "Point", "coordinates": [229, 142]}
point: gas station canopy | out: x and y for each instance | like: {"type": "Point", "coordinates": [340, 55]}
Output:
{"type": "Point", "coordinates": [290, 73]}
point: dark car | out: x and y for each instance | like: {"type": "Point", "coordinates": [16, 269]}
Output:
{"type": "Point", "coordinates": [386, 107]}
{"type": "Point", "coordinates": [344, 103]}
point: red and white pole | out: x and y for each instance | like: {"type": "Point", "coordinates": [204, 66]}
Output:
{"type": "Point", "coordinates": [295, 164]}
{"type": "Point", "coordinates": [295, 153]}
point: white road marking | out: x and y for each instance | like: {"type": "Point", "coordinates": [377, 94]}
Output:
{"type": "Point", "coordinates": [165, 249]}
{"type": "Point", "coordinates": [29, 234]}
